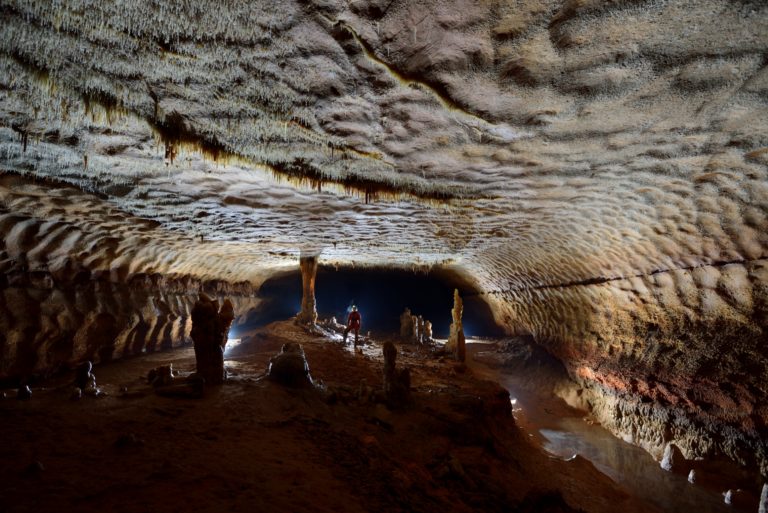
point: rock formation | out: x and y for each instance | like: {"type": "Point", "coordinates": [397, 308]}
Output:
{"type": "Point", "coordinates": [165, 383]}
{"type": "Point", "coordinates": [406, 325]}
{"type": "Point", "coordinates": [210, 326]}
{"type": "Point", "coordinates": [308, 313]}
{"type": "Point", "coordinates": [420, 330]}
{"type": "Point", "coordinates": [456, 344]}
{"type": "Point", "coordinates": [50, 322]}
{"type": "Point", "coordinates": [397, 383]}
{"type": "Point", "coordinates": [84, 376]}
{"type": "Point", "coordinates": [414, 328]}
{"type": "Point", "coordinates": [427, 332]}
{"type": "Point", "coordinates": [672, 460]}
{"type": "Point", "coordinates": [289, 367]}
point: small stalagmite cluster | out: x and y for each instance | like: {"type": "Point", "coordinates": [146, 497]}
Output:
{"type": "Point", "coordinates": [414, 328]}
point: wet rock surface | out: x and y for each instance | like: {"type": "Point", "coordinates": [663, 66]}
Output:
{"type": "Point", "coordinates": [552, 404]}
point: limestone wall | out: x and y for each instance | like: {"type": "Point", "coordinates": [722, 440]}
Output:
{"type": "Point", "coordinates": [46, 326]}
{"type": "Point", "coordinates": [678, 356]}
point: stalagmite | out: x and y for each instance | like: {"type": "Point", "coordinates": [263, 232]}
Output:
{"type": "Point", "coordinates": [84, 376]}
{"type": "Point", "coordinates": [420, 332]}
{"type": "Point", "coordinates": [210, 326]}
{"type": "Point", "coordinates": [308, 313]}
{"type": "Point", "coordinates": [427, 331]}
{"type": "Point", "coordinates": [406, 325]}
{"type": "Point", "coordinates": [456, 342]}
{"type": "Point", "coordinates": [764, 500]}
{"type": "Point", "coordinates": [397, 385]}
{"type": "Point", "coordinates": [289, 367]}
{"type": "Point", "coordinates": [673, 458]}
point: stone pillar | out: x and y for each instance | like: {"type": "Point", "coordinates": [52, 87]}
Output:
{"type": "Point", "coordinates": [397, 385]}
{"type": "Point", "coordinates": [210, 326]}
{"type": "Point", "coordinates": [226, 316]}
{"type": "Point", "coordinates": [406, 325]}
{"type": "Point", "coordinates": [420, 334]}
{"type": "Point", "coordinates": [427, 331]}
{"type": "Point", "coordinates": [456, 342]}
{"type": "Point", "coordinates": [308, 313]}
{"type": "Point", "coordinates": [390, 356]}
{"type": "Point", "coordinates": [764, 500]}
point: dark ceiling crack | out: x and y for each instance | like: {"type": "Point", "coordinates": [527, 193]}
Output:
{"type": "Point", "coordinates": [341, 31]}
{"type": "Point", "coordinates": [605, 279]}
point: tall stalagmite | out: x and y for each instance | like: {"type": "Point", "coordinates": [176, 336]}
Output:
{"type": "Point", "coordinates": [210, 326]}
{"type": "Point", "coordinates": [308, 313]}
{"type": "Point", "coordinates": [456, 342]}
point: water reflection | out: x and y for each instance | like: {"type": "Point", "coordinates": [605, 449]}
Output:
{"type": "Point", "coordinates": [563, 432]}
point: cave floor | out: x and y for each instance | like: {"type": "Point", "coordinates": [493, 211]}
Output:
{"type": "Point", "coordinates": [253, 445]}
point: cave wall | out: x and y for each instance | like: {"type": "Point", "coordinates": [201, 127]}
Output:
{"type": "Point", "coordinates": [46, 326]}
{"type": "Point", "coordinates": [673, 357]}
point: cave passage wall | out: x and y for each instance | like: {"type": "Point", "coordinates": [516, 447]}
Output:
{"type": "Point", "coordinates": [381, 295]}
{"type": "Point", "coordinates": [597, 170]}
{"type": "Point", "coordinates": [49, 326]}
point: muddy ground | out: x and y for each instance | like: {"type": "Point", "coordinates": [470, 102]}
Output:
{"type": "Point", "coordinates": [252, 445]}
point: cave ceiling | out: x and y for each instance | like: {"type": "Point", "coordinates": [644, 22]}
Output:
{"type": "Point", "coordinates": [529, 143]}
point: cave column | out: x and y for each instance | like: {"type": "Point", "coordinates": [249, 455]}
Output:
{"type": "Point", "coordinates": [308, 313]}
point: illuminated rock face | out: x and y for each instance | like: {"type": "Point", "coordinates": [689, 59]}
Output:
{"type": "Point", "coordinates": [456, 343]}
{"type": "Point", "coordinates": [47, 324]}
{"type": "Point", "coordinates": [599, 170]}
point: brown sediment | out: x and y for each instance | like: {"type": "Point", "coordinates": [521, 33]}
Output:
{"type": "Point", "coordinates": [254, 444]}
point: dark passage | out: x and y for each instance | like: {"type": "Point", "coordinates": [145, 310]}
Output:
{"type": "Point", "coordinates": [381, 295]}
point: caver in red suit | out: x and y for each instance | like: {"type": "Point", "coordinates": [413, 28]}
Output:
{"type": "Point", "coordinates": [353, 323]}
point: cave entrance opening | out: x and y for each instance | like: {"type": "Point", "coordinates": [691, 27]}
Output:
{"type": "Point", "coordinates": [381, 294]}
